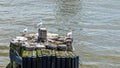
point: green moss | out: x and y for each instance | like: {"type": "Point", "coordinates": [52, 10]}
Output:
{"type": "Point", "coordinates": [38, 52]}
{"type": "Point", "coordinates": [48, 52]}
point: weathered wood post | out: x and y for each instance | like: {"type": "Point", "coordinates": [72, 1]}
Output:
{"type": "Point", "coordinates": [42, 34]}
{"type": "Point", "coordinates": [68, 42]}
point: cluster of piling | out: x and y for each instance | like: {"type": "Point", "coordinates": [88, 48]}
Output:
{"type": "Point", "coordinates": [44, 58]}
{"type": "Point", "coordinates": [42, 50]}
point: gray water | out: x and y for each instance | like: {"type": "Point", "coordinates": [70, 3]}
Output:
{"type": "Point", "coordinates": [95, 25]}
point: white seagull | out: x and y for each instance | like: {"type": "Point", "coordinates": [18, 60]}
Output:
{"type": "Point", "coordinates": [39, 24]}
{"type": "Point", "coordinates": [24, 32]}
{"type": "Point", "coordinates": [69, 34]}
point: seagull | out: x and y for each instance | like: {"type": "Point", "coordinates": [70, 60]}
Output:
{"type": "Point", "coordinates": [24, 32]}
{"type": "Point", "coordinates": [69, 34]}
{"type": "Point", "coordinates": [39, 24]}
